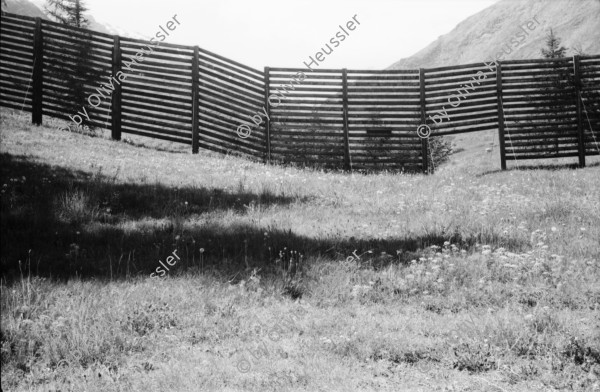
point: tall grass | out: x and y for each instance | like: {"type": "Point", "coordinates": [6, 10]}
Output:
{"type": "Point", "coordinates": [464, 280]}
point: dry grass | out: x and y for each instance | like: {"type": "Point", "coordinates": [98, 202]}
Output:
{"type": "Point", "coordinates": [468, 280]}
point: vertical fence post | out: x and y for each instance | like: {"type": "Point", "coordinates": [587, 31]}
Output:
{"type": "Point", "coordinates": [195, 103]}
{"type": "Point", "coordinates": [116, 95]}
{"type": "Point", "coordinates": [345, 109]}
{"type": "Point", "coordinates": [424, 141]}
{"type": "Point", "coordinates": [38, 73]}
{"type": "Point", "coordinates": [580, 130]}
{"type": "Point", "coordinates": [500, 116]}
{"type": "Point", "coordinates": [268, 119]}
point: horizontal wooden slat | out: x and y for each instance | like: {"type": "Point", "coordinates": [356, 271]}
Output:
{"type": "Point", "coordinates": [216, 56]}
{"type": "Point", "coordinates": [228, 69]}
{"type": "Point", "coordinates": [231, 139]}
{"type": "Point", "coordinates": [135, 131]}
{"type": "Point", "coordinates": [139, 86]}
{"type": "Point", "coordinates": [75, 42]}
{"type": "Point", "coordinates": [160, 48]}
{"type": "Point", "coordinates": [74, 31]}
{"type": "Point", "coordinates": [239, 95]}
{"type": "Point", "coordinates": [153, 128]}
{"type": "Point", "coordinates": [13, 104]}
{"type": "Point", "coordinates": [217, 129]}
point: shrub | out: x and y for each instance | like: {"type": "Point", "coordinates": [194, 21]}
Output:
{"type": "Point", "coordinates": [440, 149]}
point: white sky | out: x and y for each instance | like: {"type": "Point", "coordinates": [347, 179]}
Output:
{"type": "Point", "coordinates": [285, 33]}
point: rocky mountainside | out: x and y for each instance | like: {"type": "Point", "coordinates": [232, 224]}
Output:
{"type": "Point", "coordinates": [481, 36]}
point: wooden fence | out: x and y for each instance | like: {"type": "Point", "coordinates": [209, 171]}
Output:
{"type": "Point", "coordinates": [352, 119]}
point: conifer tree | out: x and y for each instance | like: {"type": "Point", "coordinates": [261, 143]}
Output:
{"type": "Point", "coordinates": [73, 67]}
{"type": "Point", "coordinates": [68, 12]}
{"type": "Point", "coordinates": [553, 48]}
{"type": "Point", "coordinates": [557, 92]}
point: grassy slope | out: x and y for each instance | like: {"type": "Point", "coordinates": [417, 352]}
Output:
{"type": "Point", "coordinates": [510, 302]}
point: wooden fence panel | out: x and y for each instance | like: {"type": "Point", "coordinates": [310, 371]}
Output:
{"type": "Point", "coordinates": [156, 96]}
{"type": "Point", "coordinates": [590, 97]}
{"type": "Point", "coordinates": [307, 122]}
{"type": "Point", "coordinates": [230, 94]}
{"type": "Point", "coordinates": [62, 48]}
{"type": "Point", "coordinates": [16, 62]}
{"type": "Point", "coordinates": [383, 113]}
{"type": "Point", "coordinates": [540, 109]}
{"type": "Point", "coordinates": [461, 99]}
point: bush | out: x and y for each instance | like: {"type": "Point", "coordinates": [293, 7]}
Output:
{"type": "Point", "coordinates": [440, 149]}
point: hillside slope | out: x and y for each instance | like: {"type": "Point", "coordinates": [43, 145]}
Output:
{"type": "Point", "coordinates": [35, 8]}
{"type": "Point", "coordinates": [23, 7]}
{"type": "Point", "coordinates": [479, 37]}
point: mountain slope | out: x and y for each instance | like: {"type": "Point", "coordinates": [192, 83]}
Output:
{"type": "Point", "coordinates": [23, 7]}
{"type": "Point", "coordinates": [481, 36]}
{"type": "Point", "coordinates": [35, 8]}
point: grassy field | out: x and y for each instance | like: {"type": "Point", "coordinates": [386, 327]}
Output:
{"type": "Point", "coordinates": [471, 279]}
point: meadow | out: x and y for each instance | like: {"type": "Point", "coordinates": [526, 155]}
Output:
{"type": "Point", "coordinates": [470, 279]}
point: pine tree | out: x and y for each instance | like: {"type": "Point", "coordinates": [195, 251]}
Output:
{"type": "Point", "coordinates": [73, 68]}
{"type": "Point", "coordinates": [553, 48]}
{"type": "Point", "coordinates": [68, 12]}
{"type": "Point", "coordinates": [557, 90]}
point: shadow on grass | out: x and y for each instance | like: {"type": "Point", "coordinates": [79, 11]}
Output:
{"type": "Point", "coordinates": [62, 223]}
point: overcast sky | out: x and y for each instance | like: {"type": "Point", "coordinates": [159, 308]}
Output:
{"type": "Point", "coordinates": [284, 33]}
